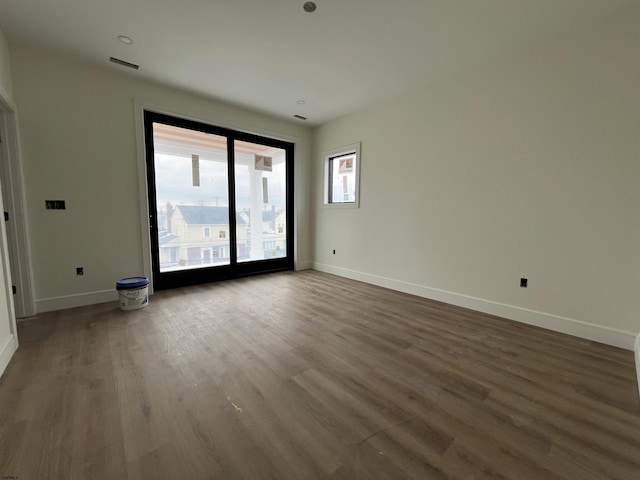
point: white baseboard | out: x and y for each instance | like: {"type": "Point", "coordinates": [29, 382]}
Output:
{"type": "Point", "coordinates": [71, 301]}
{"type": "Point", "coordinates": [303, 266]}
{"type": "Point", "coordinates": [637, 352]}
{"type": "Point", "coordinates": [577, 328]}
{"type": "Point", "coordinates": [7, 349]}
{"type": "Point", "coordinates": [103, 296]}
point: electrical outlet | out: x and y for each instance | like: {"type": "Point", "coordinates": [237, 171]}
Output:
{"type": "Point", "coordinates": [524, 282]}
{"type": "Point", "coordinates": [79, 271]}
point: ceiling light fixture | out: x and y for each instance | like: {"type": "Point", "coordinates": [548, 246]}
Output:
{"type": "Point", "coordinates": [124, 39]}
{"type": "Point", "coordinates": [309, 7]}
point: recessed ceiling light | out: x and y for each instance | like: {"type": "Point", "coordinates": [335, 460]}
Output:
{"type": "Point", "coordinates": [301, 102]}
{"type": "Point", "coordinates": [124, 39]}
{"type": "Point", "coordinates": [309, 7]}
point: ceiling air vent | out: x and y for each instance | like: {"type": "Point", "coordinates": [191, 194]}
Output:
{"type": "Point", "coordinates": [300, 117]}
{"type": "Point", "coordinates": [123, 63]}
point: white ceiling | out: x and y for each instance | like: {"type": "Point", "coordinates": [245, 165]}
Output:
{"type": "Point", "coordinates": [268, 54]}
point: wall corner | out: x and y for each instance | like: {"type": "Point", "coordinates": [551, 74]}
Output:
{"type": "Point", "coordinates": [636, 350]}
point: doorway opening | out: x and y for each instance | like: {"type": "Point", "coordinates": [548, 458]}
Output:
{"type": "Point", "coordinates": [220, 202]}
{"type": "Point", "coordinates": [13, 200]}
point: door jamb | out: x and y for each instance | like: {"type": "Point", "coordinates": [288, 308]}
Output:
{"type": "Point", "coordinates": [13, 186]}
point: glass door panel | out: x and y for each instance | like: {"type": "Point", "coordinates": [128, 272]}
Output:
{"type": "Point", "coordinates": [192, 198]}
{"type": "Point", "coordinates": [261, 201]}
{"type": "Point", "coordinates": [219, 202]}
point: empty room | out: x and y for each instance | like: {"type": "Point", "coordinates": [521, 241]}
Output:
{"type": "Point", "coordinates": [323, 240]}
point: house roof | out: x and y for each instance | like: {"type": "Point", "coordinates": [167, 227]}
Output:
{"type": "Point", "coordinates": [267, 216]}
{"type": "Point", "coordinates": [166, 237]}
{"type": "Point", "coordinates": [205, 215]}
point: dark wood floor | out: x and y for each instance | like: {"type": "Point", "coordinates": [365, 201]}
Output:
{"type": "Point", "coordinates": [310, 376]}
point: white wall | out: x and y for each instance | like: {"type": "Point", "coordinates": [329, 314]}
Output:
{"type": "Point", "coordinates": [8, 336]}
{"type": "Point", "coordinates": [526, 168]}
{"type": "Point", "coordinates": [5, 68]}
{"type": "Point", "coordinates": [79, 144]}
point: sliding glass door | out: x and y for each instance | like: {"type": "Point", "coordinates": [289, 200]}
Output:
{"type": "Point", "coordinates": [261, 197]}
{"type": "Point", "coordinates": [220, 202]}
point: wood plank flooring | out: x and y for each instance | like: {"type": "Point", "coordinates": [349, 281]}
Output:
{"type": "Point", "coordinates": [311, 376]}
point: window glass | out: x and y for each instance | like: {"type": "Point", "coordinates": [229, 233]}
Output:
{"type": "Point", "coordinates": [342, 176]}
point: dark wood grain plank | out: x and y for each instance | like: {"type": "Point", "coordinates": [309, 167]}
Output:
{"type": "Point", "coordinates": [310, 376]}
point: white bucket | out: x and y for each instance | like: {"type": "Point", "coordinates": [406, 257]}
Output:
{"type": "Point", "coordinates": [133, 292]}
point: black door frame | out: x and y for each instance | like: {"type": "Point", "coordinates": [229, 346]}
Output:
{"type": "Point", "coordinates": [174, 279]}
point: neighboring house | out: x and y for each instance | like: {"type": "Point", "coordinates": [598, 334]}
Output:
{"type": "Point", "coordinates": [274, 243]}
{"type": "Point", "coordinates": [281, 222]}
{"type": "Point", "coordinates": [199, 235]}
{"type": "Point", "coordinates": [272, 235]}
{"type": "Point", "coordinates": [269, 218]}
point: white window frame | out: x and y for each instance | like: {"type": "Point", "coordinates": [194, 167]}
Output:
{"type": "Point", "coordinates": [206, 232]}
{"type": "Point", "coordinates": [339, 152]}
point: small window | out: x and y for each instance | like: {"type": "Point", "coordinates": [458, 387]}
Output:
{"type": "Point", "coordinates": [342, 176]}
{"type": "Point", "coordinates": [222, 234]}
{"type": "Point", "coordinates": [206, 232]}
